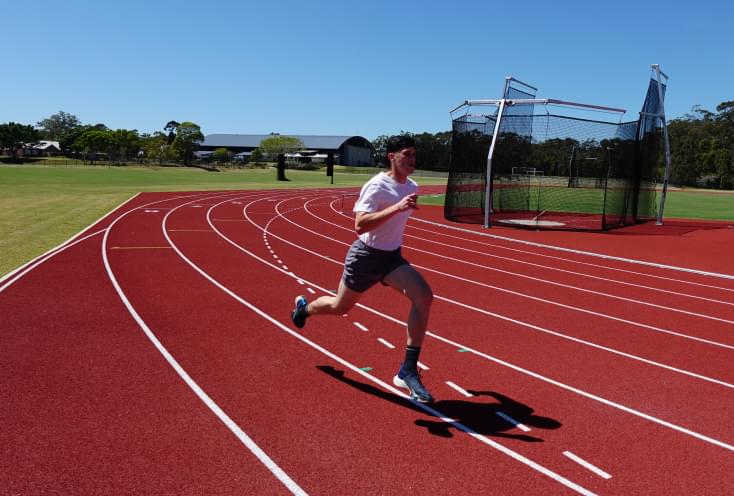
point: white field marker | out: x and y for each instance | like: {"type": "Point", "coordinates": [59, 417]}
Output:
{"type": "Point", "coordinates": [587, 465]}
{"type": "Point", "coordinates": [459, 389]}
{"type": "Point", "coordinates": [360, 326]}
{"type": "Point", "coordinates": [423, 366]}
{"type": "Point", "coordinates": [310, 290]}
{"type": "Point", "coordinates": [512, 421]}
{"type": "Point", "coordinates": [285, 267]}
{"type": "Point", "coordinates": [386, 343]}
{"type": "Point", "coordinates": [300, 281]}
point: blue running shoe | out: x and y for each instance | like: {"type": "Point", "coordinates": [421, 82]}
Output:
{"type": "Point", "coordinates": [411, 380]}
{"type": "Point", "coordinates": [299, 314]}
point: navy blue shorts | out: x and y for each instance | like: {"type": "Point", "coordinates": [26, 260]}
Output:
{"type": "Point", "coordinates": [365, 266]}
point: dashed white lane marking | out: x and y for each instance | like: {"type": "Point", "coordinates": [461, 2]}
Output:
{"type": "Point", "coordinates": [512, 421]}
{"type": "Point", "coordinates": [459, 389]}
{"type": "Point", "coordinates": [151, 211]}
{"type": "Point", "coordinates": [423, 366]}
{"type": "Point", "coordinates": [310, 290]}
{"type": "Point", "coordinates": [386, 343]}
{"type": "Point", "coordinates": [360, 326]}
{"type": "Point", "coordinates": [300, 281]}
{"type": "Point", "coordinates": [285, 267]}
{"type": "Point", "coordinates": [587, 465]}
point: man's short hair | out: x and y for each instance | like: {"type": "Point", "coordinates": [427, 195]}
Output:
{"type": "Point", "coordinates": [397, 143]}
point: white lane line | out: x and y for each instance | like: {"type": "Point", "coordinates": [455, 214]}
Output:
{"type": "Point", "coordinates": [19, 272]}
{"type": "Point", "coordinates": [423, 366]}
{"type": "Point", "coordinates": [512, 421]}
{"type": "Point", "coordinates": [360, 326]}
{"type": "Point", "coordinates": [581, 252]}
{"type": "Point", "coordinates": [483, 439]}
{"type": "Point", "coordinates": [459, 389]}
{"type": "Point", "coordinates": [522, 295]}
{"type": "Point", "coordinates": [587, 465]}
{"type": "Point", "coordinates": [542, 255]}
{"type": "Point", "coordinates": [499, 361]}
{"type": "Point", "coordinates": [525, 252]}
{"type": "Point", "coordinates": [309, 289]}
{"type": "Point", "coordinates": [512, 366]}
{"type": "Point", "coordinates": [537, 328]}
{"type": "Point", "coordinates": [211, 404]}
{"type": "Point", "coordinates": [574, 273]}
{"type": "Point", "coordinates": [23, 270]}
{"type": "Point", "coordinates": [386, 343]}
{"type": "Point", "coordinates": [589, 343]}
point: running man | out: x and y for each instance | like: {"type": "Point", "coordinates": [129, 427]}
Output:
{"type": "Point", "coordinates": [382, 210]}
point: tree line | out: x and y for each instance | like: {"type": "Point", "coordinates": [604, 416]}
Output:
{"type": "Point", "coordinates": [177, 141]}
{"type": "Point", "coordinates": [701, 149]}
{"type": "Point", "coordinates": [701, 144]}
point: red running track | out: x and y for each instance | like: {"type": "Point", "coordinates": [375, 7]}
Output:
{"type": "Point", "coordinates": [153, 354]}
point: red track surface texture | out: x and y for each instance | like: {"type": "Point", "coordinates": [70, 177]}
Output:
{"type": "Point", "coordinates": [154, 354]}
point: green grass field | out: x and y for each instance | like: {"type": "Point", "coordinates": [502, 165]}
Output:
{"type": "Point", "coordinates": [680, 204]}
{"type": "Point", "coordinates": [41, 207]}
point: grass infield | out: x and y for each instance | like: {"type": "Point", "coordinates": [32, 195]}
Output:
{"type": "Point", "coordinates": [41, 207]}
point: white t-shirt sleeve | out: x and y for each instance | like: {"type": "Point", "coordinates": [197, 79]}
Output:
{"type": "Point", "coordinates": [368, 198]}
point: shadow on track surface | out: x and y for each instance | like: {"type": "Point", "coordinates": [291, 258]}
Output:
{"type": "Point", "coordinates": [481, 417]}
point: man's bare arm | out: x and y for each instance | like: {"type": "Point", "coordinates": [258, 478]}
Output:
{"type": "Point", "coordinates": [367, 221]}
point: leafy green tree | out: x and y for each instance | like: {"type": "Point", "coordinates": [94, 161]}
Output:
{"type": "Point", "coordinates": [171, 127]}
{"type": "Point", "coordinates": [156, 147]}
{"type": "Point", "coordinates": [256, 156]}
{"type": "Point", "coordinates": [124, 143]}
{"type": "Point", "coordinates": [58, 125]}
{"type": "Point", "coordinates": [221, 155]}
{"type": "Point", "coordinates": [70, 137]}
{"type": "Point", "coordinates": [379, 149]}
{"type": "Point", "coordinates": [188, 137]}
{"type": "Point", "coordinates": [433, 151]}
{"type": "Point", "coordinates": [277, 145]}
{"type": "Point", "coordinates": [13, 135]}
{"type": "Point", "coordinates": [94, 141]}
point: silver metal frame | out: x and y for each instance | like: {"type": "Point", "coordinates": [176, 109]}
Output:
{"type": "Point", "coordinates": [501, 103]}
{"type": "Point", "coordinates": [661, 116]}
{"type": "Point", "coordinates": [488, 190]}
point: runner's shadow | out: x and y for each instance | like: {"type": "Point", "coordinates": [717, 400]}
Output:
{"type": "Point", "coordinates": [478, 416]}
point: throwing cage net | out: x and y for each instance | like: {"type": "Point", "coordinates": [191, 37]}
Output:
{"type": "Point", "coordinates": [553, 164]}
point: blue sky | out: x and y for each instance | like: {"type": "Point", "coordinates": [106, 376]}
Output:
{"type": "Point", "coordinates": [349, 67]}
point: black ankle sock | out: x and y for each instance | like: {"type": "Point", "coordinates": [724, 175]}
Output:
{"type": "Point", "coordinates": [411, 357]}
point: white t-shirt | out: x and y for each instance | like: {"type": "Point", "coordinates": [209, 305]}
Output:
{"type": "Point", "coordinates": [377, 194]}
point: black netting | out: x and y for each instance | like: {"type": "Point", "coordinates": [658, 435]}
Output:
{"type": "Point", "coordinates": [467, 182]}
{"type": "Point", "coordinates": [555, 171]}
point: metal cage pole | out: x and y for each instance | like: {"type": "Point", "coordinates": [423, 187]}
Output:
{"type": "Point", "coordinates": [488, 189]}
{"type": "Point", "coordinates": [661, 115]}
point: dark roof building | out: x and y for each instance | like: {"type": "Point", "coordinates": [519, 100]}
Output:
{"type": "Point", "coordinates": [347, 150]}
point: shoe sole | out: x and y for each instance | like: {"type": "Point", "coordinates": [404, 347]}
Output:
{"type": "Point", "coordinates": [402, 384]}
